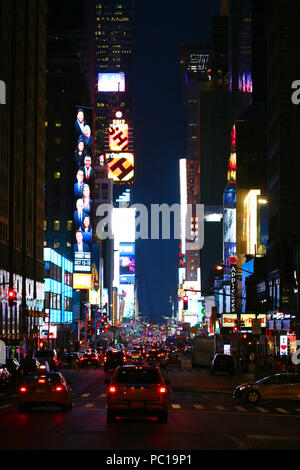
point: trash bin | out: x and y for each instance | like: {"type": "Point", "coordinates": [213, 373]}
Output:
{"type": "Point", "coordinates": [244, 364]}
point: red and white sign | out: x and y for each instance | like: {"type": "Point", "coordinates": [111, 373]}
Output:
{"type": "Point", "coordinates": [283, 345]}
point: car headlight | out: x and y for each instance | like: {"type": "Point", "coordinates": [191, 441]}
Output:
{"type": "Point", "coordinates": [243, 387]}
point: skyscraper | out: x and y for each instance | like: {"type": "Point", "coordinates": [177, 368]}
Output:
{"type": "Point", "coordinates": [22, 166]}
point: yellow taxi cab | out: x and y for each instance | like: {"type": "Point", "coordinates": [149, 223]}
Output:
{"type": "Point", "coordinates": [44, 388]}
{"type": "Point", "coordinates": [137, 389]}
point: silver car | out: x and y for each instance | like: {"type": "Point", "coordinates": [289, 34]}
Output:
{"type": "Point", "coordinates": [284, 386]}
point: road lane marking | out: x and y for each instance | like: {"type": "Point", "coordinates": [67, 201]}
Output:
{"type": "Point", "coordinates": [90, 405]}
{"type": "Point", "coordinates": [282, 410]}
{"type": "Point", "coordinates": [240, 408]}
{"type": "Point", "coordinates": [176, 406]}
{"type": "Point", "coordinates": [85, 395]}
{"type": "Point", "coordinates": [199, 407]}
{"type": "Point", "coordinates": [220, 408]}
{"type": "Point", "coordinates": [2, 407]}
{"type": "Point", "coordinates": [103, 395]}
{"type": "Point", "coordinates": [262, 410]}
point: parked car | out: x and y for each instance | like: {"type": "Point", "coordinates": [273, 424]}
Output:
{"type": "Point", "coordinates": [113, 358]}
{"type": "Point", "coordinates": [5, 378]}
{"type": "Point", "coordinates": [45, 389]}
{"type": "Point", "coordinates": [223, 363]}
{"type": "Point", "coordinates": [284, 386]}
{"type": "Point", "coordinates": [14, 368]}
{"type": "Point", "coordinates": [90, 359]}
{"type": "Point", "coordinates": [49, 355]}
{"type": "Point", "coordinates": [137, 389]}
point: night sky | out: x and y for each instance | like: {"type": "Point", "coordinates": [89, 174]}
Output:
{"type": "Point", "coordinates": [161, 27]}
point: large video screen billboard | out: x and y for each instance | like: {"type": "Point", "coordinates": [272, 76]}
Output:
{"type": "Point", "coordinates": [83, 190]}
{"type": "Point", "coordinates": [111, 82]}
{"type": "Point", "coordinates": [127, 263]}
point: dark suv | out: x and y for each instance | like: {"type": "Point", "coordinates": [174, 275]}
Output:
{"type": "Point", "coordinates": [113, 358]}
{"type": "Point", "coordinates": [223, 363]}
{"type": "Point", "coordinates": [47, 355]}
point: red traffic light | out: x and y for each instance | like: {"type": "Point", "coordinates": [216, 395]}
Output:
{"type": "Point", "coordinates": [185, 302]}
{"type": "Point", "coordinates": [12, 294]}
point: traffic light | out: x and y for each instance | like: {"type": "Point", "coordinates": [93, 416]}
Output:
{"type": "Point", "coordinates": [12, 297]}
{"type": "Point", "coordinates": [185, 302]}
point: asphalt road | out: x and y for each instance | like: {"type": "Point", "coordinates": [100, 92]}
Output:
{"type": "Point", "coordinates": [202, 416]}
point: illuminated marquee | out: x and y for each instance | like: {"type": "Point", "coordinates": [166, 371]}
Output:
{"type": "Point", "coordinates": [82, 281]}
{"type": "Point", "coordinates": [118, 136]}
{"type": "Point", "coordinates": [120, 166]}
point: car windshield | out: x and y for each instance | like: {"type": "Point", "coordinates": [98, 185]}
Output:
{"type": "Point", "coordinates": [44, 354]}
{"type": "Point", "coordinates": [138, 376]}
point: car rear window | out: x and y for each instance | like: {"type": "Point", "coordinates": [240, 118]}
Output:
{"type": "Point", "coordinates": [51, 378]}
{"type": "Point", "coordinates": [138, 376]}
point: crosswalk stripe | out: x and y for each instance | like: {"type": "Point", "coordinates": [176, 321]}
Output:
{"type": "Point", "coordinates": [175, 406]}
{"type": "Point", "coordinates": [199, 407]}
{"type": "Point", "coordinates": [240, 408]}
{"type": "Point", "coordinates": [282, 410]}
{"type": "Point", "coordinates": [85, 395]}
{"type": "Point", "coordinates": [90, 405]}
{"type": "Point", "coordinates": [220, 408]}
{"type": "Point", "coordinates": [298, 410]}
{"type": "Point", "coordinates": [263, 410]}
{"type": "Point", "coordinates": [103, 395]}
{"type": "Point", "coordinates": [2, 407]}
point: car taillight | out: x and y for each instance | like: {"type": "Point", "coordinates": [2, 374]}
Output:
{"type": "Point", "coordinates": [112, 389]}
{"type": "Point", "coordinates": [105, 358]}
{"type": "Point", "coordinates": [23, 389]}
{"type": "Point", "coordinates": [59, 388]}
{"type": "Point", "coordinates": [162, 390]}
{"type": "Point", "coordinates": [42, 381]}
{"type": "Point", "coordinates": [124, 358]}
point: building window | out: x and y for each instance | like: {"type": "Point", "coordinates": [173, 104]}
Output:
{"type": "Point", "coordinates": [45, 225]}
{"type": "Point", "coordinates": [56, 244]}
{"type": "Point", "coordinates": [69, 225]}
{"type": "Point", "coordinates": [57, 175]}
{"type": "Point", "coordinates": [56, 225]}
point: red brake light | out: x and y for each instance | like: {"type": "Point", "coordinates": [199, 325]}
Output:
{"type": "Point", "coordinates": [23, 389]}
{"type": "Point", "coordinates": [105, 358]}
{"type": "Point", "coordinates": [112, 389]}
{"type": "Point", "coordinates": [59, 388]}
{"type": "Point", "coordinates": [42, 381]}
{"type": "Point", "coordinates": [162, 390]}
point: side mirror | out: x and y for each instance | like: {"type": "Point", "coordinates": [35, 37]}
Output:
{"type": "Point", "coordinates": [107, 381]}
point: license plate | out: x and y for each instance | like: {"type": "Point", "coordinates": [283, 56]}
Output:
{"type": "Point", "coordinates": [137, 404]}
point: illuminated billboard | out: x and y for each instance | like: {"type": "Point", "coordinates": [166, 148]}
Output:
{"type": "Point", "coordinates": [82, 281]}
{"type": "Point", "coordinates": [118, 136]}
{"type": "Point", "coordinates": [127, 269]}
{"type": "Point", "coordinates": [120, 166]}
{"type": "Point", "coordinates": [82, 262]}
{"type": "Point", "coordinates": [229, 320]}
{"type": "Point", "coordinates": [83, 190]}
{"type": "Point", "coordinates": [129, 300]}
{"type": "Point", "coordinates": [111, 82]}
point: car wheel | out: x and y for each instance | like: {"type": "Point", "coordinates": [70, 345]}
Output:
{"type": "Point", "coordinates": [110, 416]}
{"type": "Point", "coordinates": [163, 416]}
{"type": "Point", "coordinates": [253, 397]}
